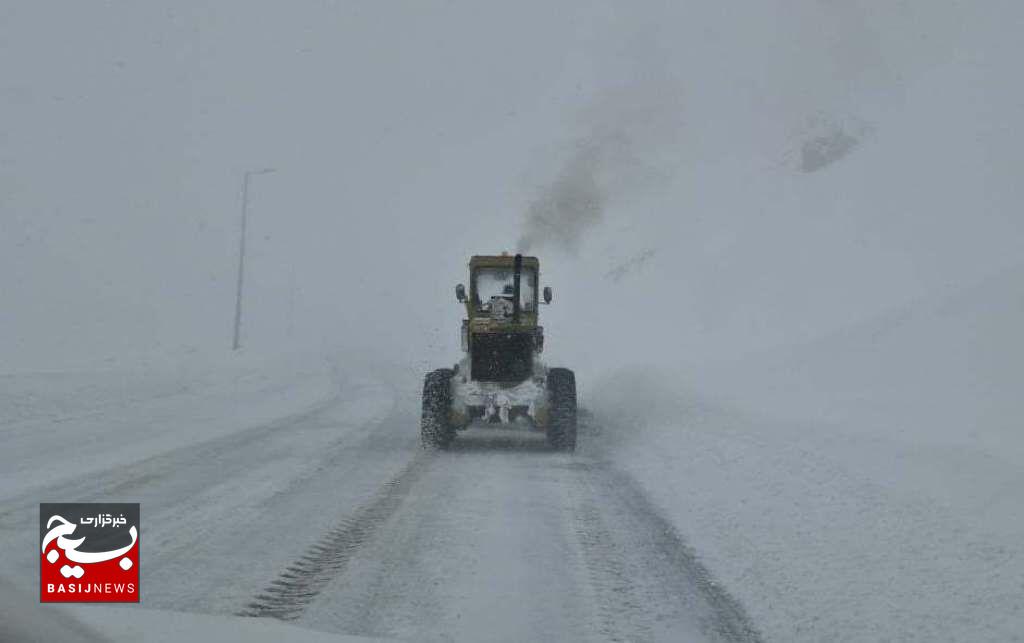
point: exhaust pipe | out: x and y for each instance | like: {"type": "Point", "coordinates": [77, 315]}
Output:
{"type": "Point", "coordinates": [517, 272]}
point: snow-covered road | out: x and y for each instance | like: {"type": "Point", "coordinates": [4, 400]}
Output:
{"type": "Point", "coordinates": [334, 519]}
{"type": "Point", "coordinates": [501, 539]}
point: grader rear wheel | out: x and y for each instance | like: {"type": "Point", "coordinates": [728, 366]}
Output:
{"type": "Point", "coordinates": [562, 395]}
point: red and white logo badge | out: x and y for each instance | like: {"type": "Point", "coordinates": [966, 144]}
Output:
{"type": "Point", "coordinates": [89, 552]}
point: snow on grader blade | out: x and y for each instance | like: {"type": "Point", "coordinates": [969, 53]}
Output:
{"type": "Point", "coordinates": [501, 379]}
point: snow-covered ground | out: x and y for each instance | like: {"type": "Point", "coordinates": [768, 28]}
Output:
{"type": "Point", "coordinates": [325, 512]}
{"type": "Point", "coordinates": [71, 423]}
{"type": "Point", "coordinates": [202, 443]}
{"type": "Point", "coordinates": [23, 619]}
{"type": "Point", "coordinates": [862, 487]}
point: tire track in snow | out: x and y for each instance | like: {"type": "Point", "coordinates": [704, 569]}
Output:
{"type": "Point", "coordinates": [613, 594]}
{"type": "Point", "coordinates": [287, 596]}
{"type": "Point", "coordinates": [640, 567]}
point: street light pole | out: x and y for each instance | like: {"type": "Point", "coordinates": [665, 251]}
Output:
{"type": "Point", "coordinates": [236, 342]}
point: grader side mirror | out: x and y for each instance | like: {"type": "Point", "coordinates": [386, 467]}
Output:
{"type": "Point", "coordinates": [460, 293]}
{"type": "Point", "coordinates": [547, 294]}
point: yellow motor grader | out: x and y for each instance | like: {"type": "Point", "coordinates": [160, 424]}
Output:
{"type": "Point", "coordinates": [501, 379]}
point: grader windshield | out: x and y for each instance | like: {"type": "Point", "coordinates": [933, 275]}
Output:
{"type": "Point", "coordinates": [491, 283]}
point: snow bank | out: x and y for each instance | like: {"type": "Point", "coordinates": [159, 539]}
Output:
{"type": "Point", "coordinates": [158, 626]}
{"type": "Point", "coordinates": [24, 620]}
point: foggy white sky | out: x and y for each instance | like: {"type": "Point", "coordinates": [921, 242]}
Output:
{"type": "Point", "coordinates": [409, 135]}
